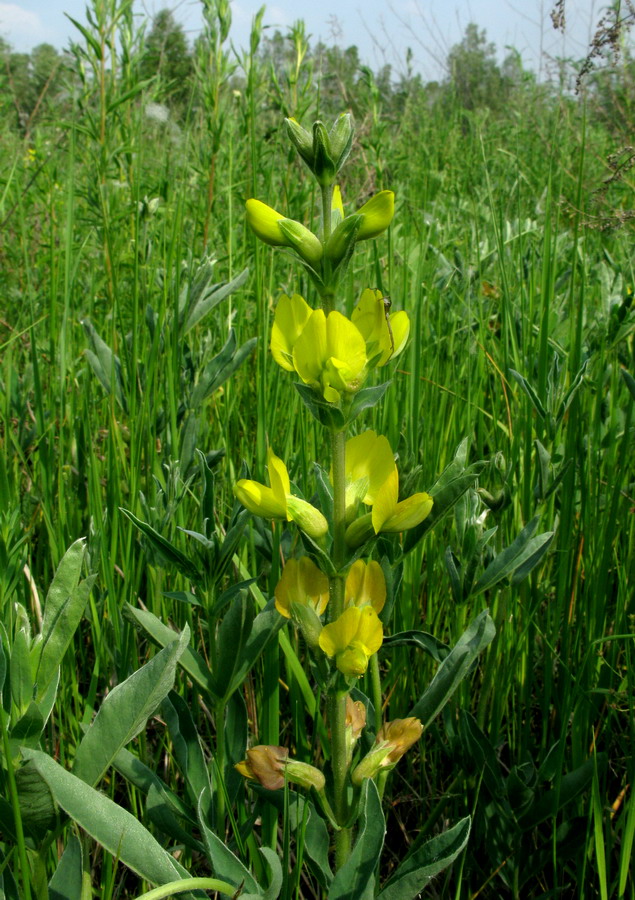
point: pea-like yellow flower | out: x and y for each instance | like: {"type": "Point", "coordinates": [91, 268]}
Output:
{"type": "Point", "coordinates": [385, 334]}
{"type": "Point", "coordinates": [330, 355]}
{"type": "Point", "coordinates": [369, 462]}
{"type": "Point", "coordinates": [277, 501]}
{"type": "Point", "coordinates": [389, 514]}
{"type": "Point", "coordinates": [302, 594]}
{"type": "Point", "coordinates": [302, 584]}
{"type": "Point", "coordinates": [393, 740]}
{"type": "Point", "coordinates": [275, 229]}
{"type": "Point", "coordinates": [365, 585]}
{"type": "Point", "coordinates": [352, 639]}
{"type": "Point", "coordinates": [271, 767]}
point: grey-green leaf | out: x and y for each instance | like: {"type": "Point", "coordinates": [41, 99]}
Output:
{"type": "Point", "coordinates": [63, 610]}
{"type": "Point", "coordinates": [454, 668]}
{"type": "Point", "coordinates": [119, 832]}
{"type": "Point", "coordinates": [522, 549]}
{"type": "Point", "coordinates": [66, 883]}
{"type": "Point", "coordinates": [126, 710]}
{"type": "Point", "coordinates": [418, 869]}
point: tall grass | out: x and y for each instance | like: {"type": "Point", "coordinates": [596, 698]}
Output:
{"type": "Point", "coordinates": [108, 221]}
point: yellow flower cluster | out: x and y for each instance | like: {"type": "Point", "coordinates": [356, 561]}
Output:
{"type": "Point", "coordinates": [323, 258]}
{"type": "Point", "coordinates": [332, 353]}
{"type": "Point", "coordinates": [302, 594]}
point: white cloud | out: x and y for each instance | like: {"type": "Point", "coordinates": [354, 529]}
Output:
{"type": "Point", "coordinates": [20, 25]}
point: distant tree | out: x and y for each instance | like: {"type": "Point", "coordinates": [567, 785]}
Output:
{"type": "Point", "coordinates": [474, 76]}
{"type": "Point", "coordinates": [167, 55]}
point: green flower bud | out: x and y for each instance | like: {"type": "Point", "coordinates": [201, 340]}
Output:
{"type": "Point", "coordinates": [323, 166]}
{"type": "Point", "coordinates": [301, 140]}
{"type": "Point", "coordinates": [341, 137]}
{"type": "Point", "coordinates": [308, 621]}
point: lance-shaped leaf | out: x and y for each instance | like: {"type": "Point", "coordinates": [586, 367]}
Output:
{"type": "Point", "coordinates": [118, 832]}
{"type": "Point", "coordinates": [420, 866]}
{"type": "Point", "coordinates": [170, 554]}
{"type": "Point", "coordinates": [454, 668]}
{"type": "Point", "coordinates": [203, 297]}
{"type": "Point", "coordinates": [64, 607]}
{"type": "Point", "coordinates": [105, 364]}
{"type": "Point", "coordinates": [221, 367]}
{"type": "Point", "coordinates": [521, 556]}
{"type": "Point", "coordinates": [126, 710]}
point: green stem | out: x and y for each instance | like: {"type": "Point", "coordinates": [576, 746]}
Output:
{"type": "Point", "coordinates": [375, 682]}
{"type": "Point", "coordinates": [220, 767]}
{"type": "Point", "coordinates": [337, 699]}
{"type": "Point", "coordinates": [188, 884]}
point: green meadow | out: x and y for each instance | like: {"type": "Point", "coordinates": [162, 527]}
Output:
{"type": "Point", "coordinates": [137, 387]}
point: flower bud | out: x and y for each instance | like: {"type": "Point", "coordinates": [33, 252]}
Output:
{"type": "Point", "coordinates": [301, 140]}
{"type": "Point", "coordinates": [341, 138]}
{"type": "Point", "coordinates": [323, 165]}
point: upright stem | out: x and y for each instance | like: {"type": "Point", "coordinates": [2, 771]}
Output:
{"type": "Point", "coordinates": [337, 700]}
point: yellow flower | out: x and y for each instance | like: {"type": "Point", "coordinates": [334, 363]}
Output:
{"type": "Point", "coordinates": [389, 515]}
{"type": "Point", "coordinates": [302, 584]}
{"type": "Point", "coordinates": [274, 229]}
{"type": "Point", "coordinates": [352, 639]}
{"type": "Point", "coordinates": [369, 462]}
{"type": "Point", "coordinates": [385, 335]}
{"type": "Point", "coordinates": [365, 585]}
{"type": "Point", "coordinates": [277, 501]}
{"type": "Point", "coordinates": [393, 740]}
{"type": "Point", "coordinates": [330, 355]}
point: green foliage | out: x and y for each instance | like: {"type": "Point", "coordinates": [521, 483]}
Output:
{"type": "Point", "coordinates": [521, 345]}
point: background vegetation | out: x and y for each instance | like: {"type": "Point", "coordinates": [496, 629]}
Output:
{"type": "Point", "coordinates": [125, 164]}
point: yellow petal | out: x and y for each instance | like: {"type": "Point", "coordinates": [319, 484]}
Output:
{"type": "Point", "coordinates": [376, 214]}
{"type": "Point", "coordinates": [263, 221]}
{"type": "Point", "coordinates": [345, 344]}
{"type": "Point", "coordinates": [369, 314]}
{"type": "Point", "coordinates": [369, 630]}
{"type": "Point", "coordinates": [352, 661]}
{"type": "Point", "coordinates": [259, 499]}
{"type": "Point", "coordinates": [386, 501]}
{"type": "Point", "coordinates": [369, 456]}
{"type": "Point", "coordinates": [278, 477]}
{"type": "Point", "coordinates": [408, 513]}
{"type": "Point", "coordinates": [337, 636]}
{"type": "Point", "coordinates": [309, 352]}
{"type": "Point", "coordinates": [292, 314]}
{"type": "Point", "coordinates": [366, 585]}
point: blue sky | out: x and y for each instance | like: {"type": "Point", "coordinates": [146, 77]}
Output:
{"type": "Point", "coordinates": [382, 29]}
